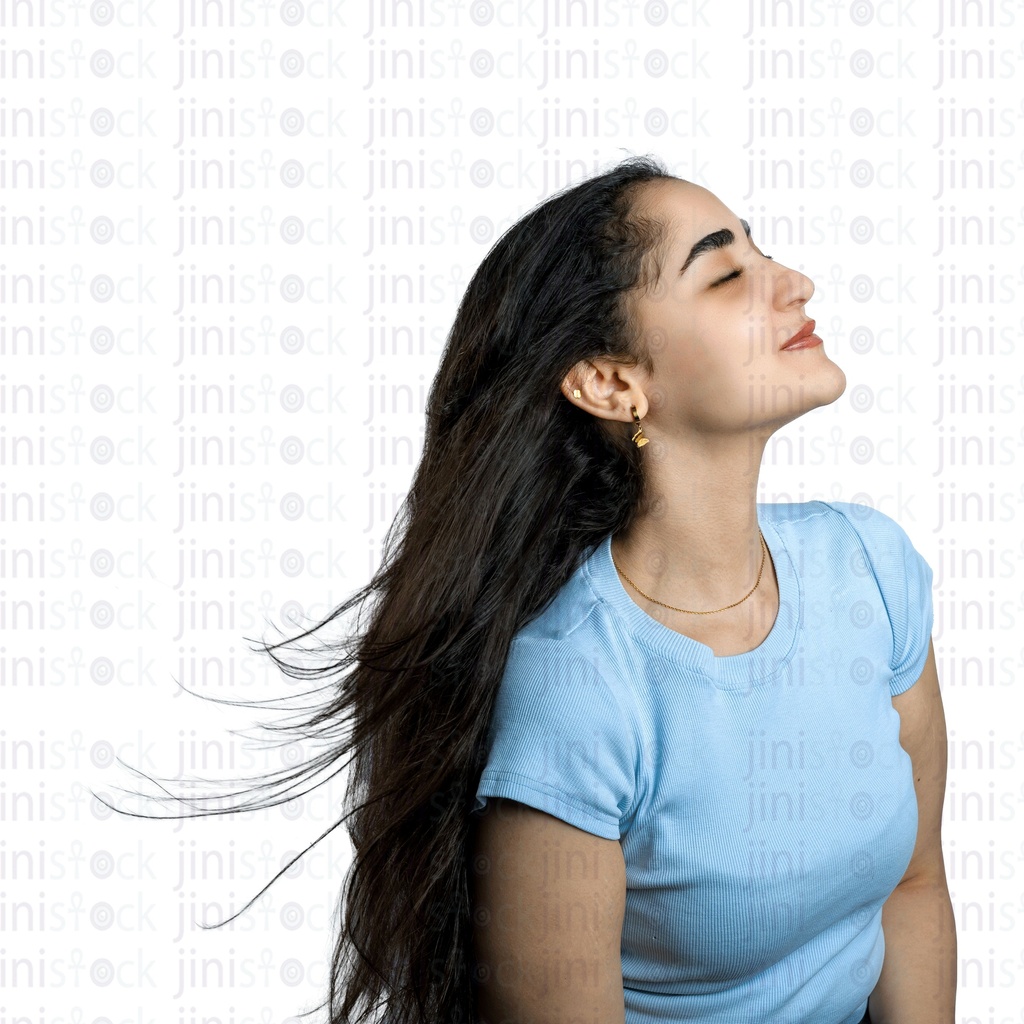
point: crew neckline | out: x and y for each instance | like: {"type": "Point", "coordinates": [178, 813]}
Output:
{"type": "Point", "coordinates": [731, 671]}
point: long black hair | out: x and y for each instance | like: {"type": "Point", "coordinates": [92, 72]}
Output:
{"type": "Point", "coordinates": [515, 487]}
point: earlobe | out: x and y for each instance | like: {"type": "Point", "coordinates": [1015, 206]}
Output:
{"type": "Point", "coordinates": [638, 438]}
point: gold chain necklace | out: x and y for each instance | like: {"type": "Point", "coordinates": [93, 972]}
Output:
{"type": "Point", "coordinates": [764, 552]}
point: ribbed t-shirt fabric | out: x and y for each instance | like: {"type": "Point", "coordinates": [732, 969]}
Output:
{"type": "Point", "coordinates": [765, 807]}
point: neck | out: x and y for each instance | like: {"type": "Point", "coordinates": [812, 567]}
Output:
{"type": "Point", "coordinates": [698, 544]}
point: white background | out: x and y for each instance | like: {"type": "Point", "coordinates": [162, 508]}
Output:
{"type": "Point", "coordinates": [862, 141]}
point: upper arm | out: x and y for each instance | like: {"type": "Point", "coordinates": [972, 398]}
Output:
{"type": "Point", "coordinates": [923, 737]}
{"type": "Point", "coordinates": [548, 905]}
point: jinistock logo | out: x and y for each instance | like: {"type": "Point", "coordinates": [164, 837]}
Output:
{"type": "Point", "coordinates": [234, 238]}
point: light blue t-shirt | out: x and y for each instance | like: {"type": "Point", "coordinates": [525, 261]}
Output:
{"type": "Point", "coordinates": [765, 807]}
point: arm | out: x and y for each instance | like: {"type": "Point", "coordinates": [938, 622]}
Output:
{"type": "Point", "coordinates": [918, 980]}
{"type": "Point", "coordinates": [548, 903]}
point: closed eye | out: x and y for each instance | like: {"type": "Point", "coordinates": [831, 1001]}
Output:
{"type": "Point", "coordinates": [732, 277]}
{"type": "Point", "coordinates": [728, 277]}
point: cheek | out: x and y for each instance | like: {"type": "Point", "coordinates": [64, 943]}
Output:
{"type": "Point", "coordinates": [671, 322]}
{"type": "Point", "coordinates": [725, 354]}
{"type": "Point", "coordinates": [701, 367]}
{"type": "Point", "coordinates": [748, 334]}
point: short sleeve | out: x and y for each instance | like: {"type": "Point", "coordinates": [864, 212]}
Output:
{"type": "Point", "coordinates": [559, 740]}
{"type": "Point", "coordinates": [905, 581]}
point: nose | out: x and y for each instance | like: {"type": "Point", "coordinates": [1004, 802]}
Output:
{"type": "Point", "coordinates": [791, 288]}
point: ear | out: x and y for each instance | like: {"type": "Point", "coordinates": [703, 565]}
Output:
{"type": "Point", "coordinates": [607, 389]}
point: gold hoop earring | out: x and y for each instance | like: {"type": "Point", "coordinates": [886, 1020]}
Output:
{"type": "Point", "coordinates": [638, 438]}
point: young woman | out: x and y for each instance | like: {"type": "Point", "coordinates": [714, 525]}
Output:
{"type": "Point", "coordinates": [720, 749]}
{"type": "Point", "coordinates": [624, 744]}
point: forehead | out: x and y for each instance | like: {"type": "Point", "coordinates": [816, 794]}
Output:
{"type": "Point", "coordinates": [688, 211]}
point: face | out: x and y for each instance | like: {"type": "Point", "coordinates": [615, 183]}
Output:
{"type": "Point", "coordinates": [715, 321]}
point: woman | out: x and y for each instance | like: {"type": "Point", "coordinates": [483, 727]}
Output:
{"type": "Point", "coordinates": [706, 811]}
{"type": "Point", "coordinates": [626, 745]}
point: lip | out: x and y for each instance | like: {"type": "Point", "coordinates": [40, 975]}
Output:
{"type": "Point", "coordinates": [804, 338]}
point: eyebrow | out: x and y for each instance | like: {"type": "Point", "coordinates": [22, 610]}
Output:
{"type": "Point", "coordinates": [716, 240]}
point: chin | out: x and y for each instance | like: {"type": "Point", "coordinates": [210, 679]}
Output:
{"type": "Point", "coordinates": [823, 388]}
{"type": "Point", "coordinates": [837, 384]}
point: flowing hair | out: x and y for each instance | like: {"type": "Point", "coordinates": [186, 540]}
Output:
{"type": "Point", "coordinates": [515, 487]}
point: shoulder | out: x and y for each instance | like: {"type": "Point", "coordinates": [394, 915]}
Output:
{"type": "Point", "coordinates": [562, 740]}
{"type": "Point", "coordinates": [564, 674]}
{"type": "Point", "coordinates": [871, 541]}
{"type": "Point", "coordinates": [841, 524]}
{"type": "Point", "coordinates": [887, 548]}
{"type": "Point", "coordinates": [872, 525]}
{"type": "Point", "coordinates": [834, 515]}
{"type": "Point", "coordinates": [566, 614]}
{"type": "Point", "coordinates": [870, 545]}
{"type": "Point", "coordinates": [576, 637]}
{"type": "Point", "coordinates": [533, 653]}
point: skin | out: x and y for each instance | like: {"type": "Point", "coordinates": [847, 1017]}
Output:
{"type": "Point", "coordinates": [720, 388]}
{"type": "Point", "coordinates": [918, 980]}
{"type": "Point", "coordinates": [698, 548]}
{"type": "Point", "coordinates": [535, 972]}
